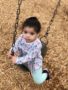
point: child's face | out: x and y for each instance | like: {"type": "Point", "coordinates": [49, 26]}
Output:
{"type": "Point", "coordinates": [29, 34]}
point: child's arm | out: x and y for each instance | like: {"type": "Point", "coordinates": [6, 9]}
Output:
{"type": "Point", "coordinates": [30, 56]}
{"type": "Point", "coordinates": [15, 48]}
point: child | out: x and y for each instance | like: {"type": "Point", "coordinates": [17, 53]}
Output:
{"type": "Point", "coordinates": [27, 50]}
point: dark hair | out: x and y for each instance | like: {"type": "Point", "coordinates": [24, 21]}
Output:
{"type": "Point", "coordinates": [32, 22]}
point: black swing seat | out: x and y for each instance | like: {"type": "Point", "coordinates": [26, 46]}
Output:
{"type": "Point", "coordinates": [23, 67]}
{"type": "Point", "coordinates": [43, 49]}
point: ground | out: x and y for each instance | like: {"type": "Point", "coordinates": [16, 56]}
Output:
{"type": "Point", "coordinates": [13, 77]}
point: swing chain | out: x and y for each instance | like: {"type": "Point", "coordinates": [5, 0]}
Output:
{"type": "Point", "coordinates": [51, 21]}
{"type": "Point", "coordinates": [16, 25]}
{"type": "Point", "coordinates": [17, 22]}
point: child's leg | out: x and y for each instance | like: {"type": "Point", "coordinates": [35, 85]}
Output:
{"type": "Point", "coordinates": [38, 76]}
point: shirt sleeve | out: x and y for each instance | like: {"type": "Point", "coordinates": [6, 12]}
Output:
{"type": "Point", "coordinates": [15, 48]}
{"type": "Point", "coordinates": [29, 57]}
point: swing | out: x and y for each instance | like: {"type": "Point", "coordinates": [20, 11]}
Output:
{"type": "Point", "coordinates": [44, 45]}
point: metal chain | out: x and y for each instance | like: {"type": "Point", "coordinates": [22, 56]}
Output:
{"type": "Point", "coordinates": [16, 24]}
{"type": "Point", "coordinates": [51, 21]}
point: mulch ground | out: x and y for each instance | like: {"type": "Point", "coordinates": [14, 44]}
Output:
{"type": "Point", "coordinates": [12, 77]}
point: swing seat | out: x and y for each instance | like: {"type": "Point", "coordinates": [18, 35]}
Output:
{"type": "Point", "coordinates": [23, 67]}
{"type": "Point", "coordinates": [43, 49]}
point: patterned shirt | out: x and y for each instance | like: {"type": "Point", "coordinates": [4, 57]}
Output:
{"type": "Point", "coordinates": [30, 53]}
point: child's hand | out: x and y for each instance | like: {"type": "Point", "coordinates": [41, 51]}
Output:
{"type": "Point", "coordinates": [14, 59]}
{"type": "Point", "coordinates": [9, 55]}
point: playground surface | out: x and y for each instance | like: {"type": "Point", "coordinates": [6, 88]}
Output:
{"type": "Point", "coordinates": [13, 77]}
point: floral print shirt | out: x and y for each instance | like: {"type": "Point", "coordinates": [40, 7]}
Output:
{"type": "Point", "coordinates": [30, 53]}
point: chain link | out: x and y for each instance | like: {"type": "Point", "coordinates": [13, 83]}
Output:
{"type": "Point", "coordinates": [16, 25]}
{"type": "Point", "coordinates": [16, 21]}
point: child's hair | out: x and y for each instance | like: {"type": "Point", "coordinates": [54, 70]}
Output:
{"type": "Point", "coordinates": [32, 22]}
